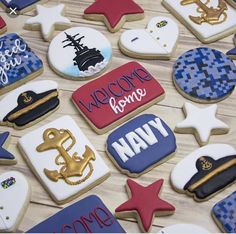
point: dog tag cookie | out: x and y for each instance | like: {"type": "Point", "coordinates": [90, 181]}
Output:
{"type": "Point", "coordinates": [89, 215]}
{"type": "Point", "coordinates": [209, 21]}
{"type": "Point", "coordinates": [3, 26]}
{"type": "Point", "coordinates": [224, 214]}
{"type": "Point", "coordinates": [15, 196]}
{"type": "Point", "coordinates": [63, 159]}
{"type": "Point", "coordinates": [117, 96]}
{"type": "Point", "coordinates": [29, 103]}
{"type": "Point", "coordinates": [232, 53]}
{"type": "Point", "coordinates": [6, 158]}
{"type": "Point", "coordinates": [114, 13]}
{"type": "Point", "coordinates": [157, 41]}
{"type": "Point", "coordinates": [206, 171]}
{"type": "Point", "coordinates": [83, 56]}
{"type": "Point", "coordinates": [183, 228]}
{"type": "Point", "coordinates": [141, 144]}
{"type": "Point", "coordinates": [204, 75]}
{"type": "Point", "coordinates": [144, 204]}
{"type": "Point", "coordinates": [18, 63]}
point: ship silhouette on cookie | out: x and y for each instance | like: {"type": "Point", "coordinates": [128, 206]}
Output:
{"type": "Point", "coordinates": [85, 57]}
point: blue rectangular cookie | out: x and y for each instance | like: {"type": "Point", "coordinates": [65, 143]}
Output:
{"type": "Point", "coordinates": [18, 4]}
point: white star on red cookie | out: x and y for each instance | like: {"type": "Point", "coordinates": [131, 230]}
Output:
{"type": "Point", "coordinates": [48, 19]}
{"type": "Point", "coordinates": [201, 122]}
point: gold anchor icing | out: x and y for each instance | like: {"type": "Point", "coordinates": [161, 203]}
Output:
{"type": "Point", "coordinates": [206, 165]}
{"type": "Point", "coordinates": [209, 15]}
{"type": "Point", "coordinates": [72, 166]}
{"type": "Point", "coordinates": [27, 98]}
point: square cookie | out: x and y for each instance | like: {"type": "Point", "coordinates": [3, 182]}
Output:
{"type": "Point", "coordinates": [18, 63]}
{"type": "Point", "coordinates": [63, 159]}
{"type": "Point", "coordinates": [89, 215]}
{"type": "Point", "coordinates": [208, 22]}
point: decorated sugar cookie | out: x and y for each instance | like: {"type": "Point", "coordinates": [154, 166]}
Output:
{"type": "Point", "coordinates": [63, 159]}
{"type": "Point", "coordinates": [224, 214]}
{"type": "Point", "coordinates": [6, 157]}
{"type": "Point", "coordinates": [83, 56]}
{"type": "Point", "coordinates": [205, 172]}
{"type": "Point", "coordinates": [89, 215]}
{"type": "Point", "coordinates": [183, 228]}
{"type": "Point", "coordinates": [209, 20]}
{"type": "Point", "coordinates": [47, 20]}
{"type": "Point", "coordinates": [141, 144]}
{"type": "Point", "coordinates": [144, 204]}
{"type": "Point", "coordinates": [15, 196]}
{"type": "Point", "coordinates": [232, 3]}
{"type": "Point", "coordinates": [204, 75]}
{"type": "Point", "coordinates": [20, 6]}
{"type": "Point", "coordinates": [3, 26]}
{"type": "Point", "coordinates": [157, 41]}
{"type": "Point", "coordinates": [117, 96]}
{"type": "Point", "coordinates": [29, 103]}
{"type": "Point", "coordinates": [232, 53]}
{"type": "Point", "coordinates": [201, 122]}
{"type": "Point", "coordinates": [18, 63]}
{"type": "Point", "coordinates": [114, 13]}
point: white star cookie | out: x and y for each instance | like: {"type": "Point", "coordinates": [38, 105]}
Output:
{"type": "Point", "coordinates": [48, 20]}
{"type": "Point", "coordinates": [201, 122]}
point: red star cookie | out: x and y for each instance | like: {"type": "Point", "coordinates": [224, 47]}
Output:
{"type": "Point", "coordinates": [114, 13]}
{"type": "Point", "coordinates": [144, 203]}
{"type": "Point", "coordinates": [3, 26]}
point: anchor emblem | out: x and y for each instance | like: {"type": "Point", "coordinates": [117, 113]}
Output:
{"type": "Point", "coordinates": [72, 166]}
{"type": "Point", "coordinates": [208, 14]}
{"type": "Point", "coordinates": [26, 97]}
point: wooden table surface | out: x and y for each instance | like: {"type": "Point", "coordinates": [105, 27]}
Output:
{"type": "Point", "coordinates": [112, 191]}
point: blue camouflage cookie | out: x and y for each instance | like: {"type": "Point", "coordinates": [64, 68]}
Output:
{"type": "Point", "coordinates": [224, 212]}
{"type": "Point", "coordinates": [204, 75]}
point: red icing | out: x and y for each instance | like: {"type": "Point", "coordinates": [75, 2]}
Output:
{"type": "Point", "coordinates": [113, 10]}
{"type": "Point", "coordinates": [2, 23]}
{"type": "Point", "coordinates": [145, 201]}
{"type": "Point", "coordinates": [93, 98]}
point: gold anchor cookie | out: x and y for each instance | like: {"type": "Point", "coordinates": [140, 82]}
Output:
{"type": "Point", "coordinates": [72, 166]}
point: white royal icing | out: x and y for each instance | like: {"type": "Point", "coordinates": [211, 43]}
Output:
{"type": "Point", "coordinates": [183, 228]}
{"type": "Point", "coordinates": [9, 102]}
{"type": "Point", "coordinates": [61, 59]}
{"type": "Point", "coordinates": [205, 30]}
{"type": "Point", "coordinates": [48, 19]}
{"type": "Point", "coordinates": [202, 120]}
{"type": "Point", "coordinates": [60, 190]}
{"type": "Point", "coordinates": [154, 40]}
{"type": "Point", "coordinates": [13, 201]}
{"type": "Point", "coordinates": [186, 168]}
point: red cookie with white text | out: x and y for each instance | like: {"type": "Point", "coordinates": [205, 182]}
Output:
{"type": "Point", "coordinates": [117, 96]}
{"type": "Point", "coordinates": [3, 26]}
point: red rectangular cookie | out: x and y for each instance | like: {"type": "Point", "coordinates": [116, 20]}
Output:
{"type": "Point", "coordinates": [117, 96]}
{"type": "Point", "coordinates": [2, 25]}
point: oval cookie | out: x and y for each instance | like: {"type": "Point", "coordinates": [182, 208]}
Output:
{"type": "Point", "coordinates": [204, 75]}
{"type": "Point", "coordinates": [141, 144]}
{"type": "Point", "coordinates": [206, 171]}
{"type": "Point", "coordinates": [79, 53]}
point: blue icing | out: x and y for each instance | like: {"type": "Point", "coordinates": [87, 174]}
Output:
{"type": "Point", "coordinates": [4, 154]}
{"type": "Point", "coordinates": [22, 62]}
{"type": "Point", "coordinates": [107, 53]}
{"type": "Point", "coordinates": [153, 149]}
{"type": "Point", "coordinates": [20, 4]}
{"type": "Point", "coordinates": [205, 74]}
{"type": "Point", "coordinates": [88, 215]}
{"type": "Point", "coordinates": [225, 212]}
{"type": "Point", "coordinates": [72, 70]}
{"type": "Point", "coordinates": [231, 52]}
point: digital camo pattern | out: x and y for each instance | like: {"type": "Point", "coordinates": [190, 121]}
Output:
{"type": "Point", "coordinates": [225, 213]}
{"type": "Point", "coordinates": [205, 74]}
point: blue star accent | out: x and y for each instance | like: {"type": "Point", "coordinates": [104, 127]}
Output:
{"type": "Point", "coordinates": [4, 154]}
{"type": "Point", "coordinates": [231, 52]}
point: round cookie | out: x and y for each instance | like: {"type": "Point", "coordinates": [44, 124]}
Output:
{"type": "Point", "coordinates": [183, 228]}
{"type": "Point", "coordinates": [204, 75]}
{"type": "Point", "coordinates": [79, 53]}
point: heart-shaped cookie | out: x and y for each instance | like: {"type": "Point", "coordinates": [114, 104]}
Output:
{"type": "Point", "coordinates": [157, 41]}
{"type": "Point", "coordinates": [14, 200]}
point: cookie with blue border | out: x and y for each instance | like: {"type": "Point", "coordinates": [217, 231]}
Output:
{"type": "Point", "coordinates": [140, 145]}
{"type": "Point", "coordinates": [18, 63]}
{"type": "Point", "coordinates": [224, 214]}
{"type": "Point", "coordinates": [204, 75]}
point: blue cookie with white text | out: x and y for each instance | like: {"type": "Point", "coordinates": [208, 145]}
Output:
{"type": "Point", "coordinates": [141, 144]}
{"type": "Point", "coordinates": [224, 214]}
{"type": "Point", "coordinates": [18, 63]}
{"type": "Point", "coordinates": [88, 215]}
